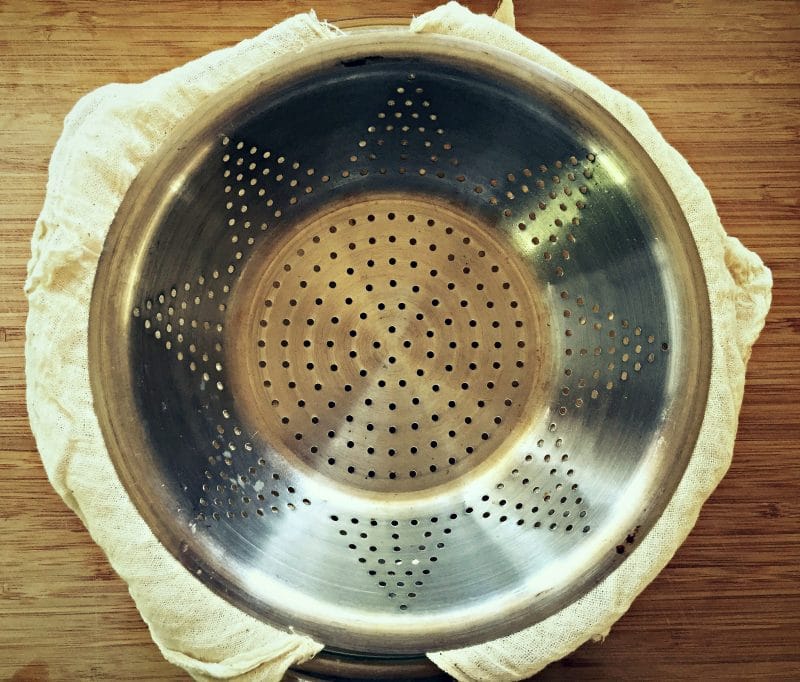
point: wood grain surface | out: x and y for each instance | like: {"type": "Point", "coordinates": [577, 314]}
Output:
{"type": "Point", "coordinates": [722, 82]}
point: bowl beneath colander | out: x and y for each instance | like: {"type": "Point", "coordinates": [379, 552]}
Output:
{"type": "Point", "coordinates": [403, 344]}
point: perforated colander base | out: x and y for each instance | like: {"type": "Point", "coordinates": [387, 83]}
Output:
{"type": "Point", "coordinates": [392, 344]}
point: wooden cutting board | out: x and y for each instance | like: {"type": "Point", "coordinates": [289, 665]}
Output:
{"type": "Point", "coordinates": [721, 80]}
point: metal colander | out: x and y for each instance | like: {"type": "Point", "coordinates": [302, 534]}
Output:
{"type": "Point", "coordinates": [402, 345]}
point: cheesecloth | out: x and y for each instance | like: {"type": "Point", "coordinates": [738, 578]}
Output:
{"type": "Point", "coordinates": [106, 139]}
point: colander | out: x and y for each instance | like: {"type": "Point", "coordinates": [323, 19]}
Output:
{"type": "Point", "coordinates": [402, 344]}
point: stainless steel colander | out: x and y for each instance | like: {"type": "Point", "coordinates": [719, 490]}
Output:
{"type": "Point", "coordinates": [402, 344]}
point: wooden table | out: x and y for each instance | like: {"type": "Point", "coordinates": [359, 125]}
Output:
{"type": "Point", "coordinates": [722, 82]}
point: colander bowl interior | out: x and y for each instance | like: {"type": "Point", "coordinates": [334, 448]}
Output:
{"type": "Point", "coordinates": [403, 345]}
